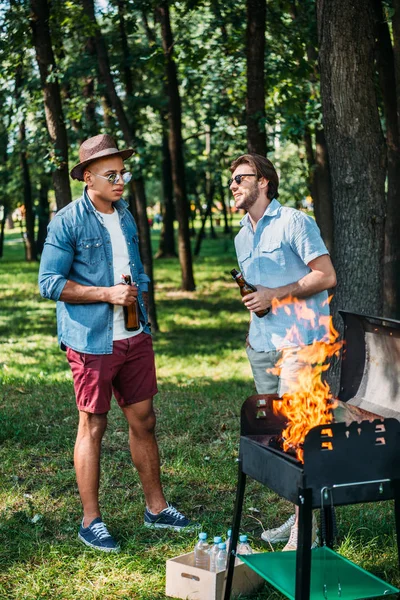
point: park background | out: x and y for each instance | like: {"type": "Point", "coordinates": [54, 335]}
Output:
{"type": "Point", "coordinates": [190, 85]}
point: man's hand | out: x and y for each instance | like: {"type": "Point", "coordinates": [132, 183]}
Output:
{"type": "Point", "coordinates": [122, 295]}
{"type": "Point", "coordinates": [259, 300]}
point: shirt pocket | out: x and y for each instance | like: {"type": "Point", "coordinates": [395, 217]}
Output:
{"type": "Point", "coordinates": [91, 250]}
{"type": "Point", "coordinates": [272, 251]}
{"type": "Point", "coordinates": [244, 260]}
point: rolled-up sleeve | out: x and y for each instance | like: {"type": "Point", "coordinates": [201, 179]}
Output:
{"type": "Point", "coordinates": [305, 237]}
{"type": "Point", "coordinates": [57, 258]}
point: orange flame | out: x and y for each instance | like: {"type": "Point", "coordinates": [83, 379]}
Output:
{"type": "Point", "coordinates": [308, 400]}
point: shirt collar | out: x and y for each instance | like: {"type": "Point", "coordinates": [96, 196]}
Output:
{"type": "Point", "coordinates": [271, 211]}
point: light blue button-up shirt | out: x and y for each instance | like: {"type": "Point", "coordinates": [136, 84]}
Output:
{"type": "Point", "coordinates": [275, 254]}
{"type": "Point", "coordinates": [78, 247]}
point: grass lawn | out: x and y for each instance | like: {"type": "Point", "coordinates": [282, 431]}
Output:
{"type": "Point", "coordinates": [203, 379]}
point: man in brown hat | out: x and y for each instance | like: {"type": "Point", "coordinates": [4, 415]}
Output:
{"type": "Point", "coordinates": [91, 243]}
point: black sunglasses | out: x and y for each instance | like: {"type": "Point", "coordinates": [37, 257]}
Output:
{"type": "Point", "coordinates": [238, 178]}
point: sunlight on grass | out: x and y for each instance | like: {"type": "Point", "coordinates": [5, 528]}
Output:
{"type": "Point", "coordinates": [203, 377]}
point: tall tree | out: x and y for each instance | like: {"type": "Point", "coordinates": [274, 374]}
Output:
{"type": "Point", "coordinates": [52, 100]}
{"type": "Point", "coordinates": [255, 96]}
{"type": "Point", "coordinates": [176, 149]}
{"type": "Point", "coordinates": [387, 78]}
{"type": "Point", "coordinates": [128, 133]}
{"type": "Point", "coordinates": [356, 150]}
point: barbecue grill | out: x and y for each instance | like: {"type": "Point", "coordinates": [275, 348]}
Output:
{"type": "Point", "coordinates": [354, 459]}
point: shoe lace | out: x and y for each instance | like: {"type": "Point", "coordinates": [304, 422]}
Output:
{"type": "Point", "coordinates": [100, 530]}
{"type": "Point", "coordinates": [171, 510]}
{"type": "Point", "coordinates": [286, 524]}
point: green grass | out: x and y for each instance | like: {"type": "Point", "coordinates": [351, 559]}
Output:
{"type": "Point", "coordinates": [203, 379]}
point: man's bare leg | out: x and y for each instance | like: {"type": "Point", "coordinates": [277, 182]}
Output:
{"type": "Point", "coordinates": [144, 452]}
{"type": "Point", "coordinates": [87, 462]}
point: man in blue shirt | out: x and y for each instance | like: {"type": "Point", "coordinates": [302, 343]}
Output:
{"type": "Point", "coordinates": [91, 243]}
{"type": "Point", "coordinates": [281, 252]}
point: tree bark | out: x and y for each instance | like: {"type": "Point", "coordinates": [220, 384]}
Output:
{"type": "Point", "coordinates": [323, 209]}
{"type": "Point", "coordinates": [167, 236]}
{"type": "Point", "coordinates": [52, 100]}
{"type": "Point", "coordinates": [255, 97]}
{"type": "Point", "coordinates": [386, 69]}
{"type": "Point", "coordinates": [176, 150]}
{"type": "Point", "coordinates": [43, 214]}
{"type": "Point", "coordinates": [128, 133]}
{"type": "Point", "coordinates": [356, 150]}
{"type": "Point", "coordinates": [30, 249]}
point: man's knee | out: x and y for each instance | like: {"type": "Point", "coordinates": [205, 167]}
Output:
{"type": "Point", "coordinates": [92, 425]}
{"type": "Point", "coordinates": [141, 421]}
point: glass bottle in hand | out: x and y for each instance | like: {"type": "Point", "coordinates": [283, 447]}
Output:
{"type": "Point", "coordinates": [131, 312]}
{"type": "Point", "coordinates": [247, 288]}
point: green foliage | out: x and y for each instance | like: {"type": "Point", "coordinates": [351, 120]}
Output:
{"type": "Point", "coordinates": [209, 50]}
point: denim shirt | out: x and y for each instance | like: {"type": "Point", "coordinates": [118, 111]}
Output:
{"type": "Point", "coordinates": [276, 254]}
{"type": "Point", "coordinates": [78, 247]}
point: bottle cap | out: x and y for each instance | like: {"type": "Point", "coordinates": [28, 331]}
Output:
{"type": "Point", "coordinates": [202, 536]}
{"type": "Point", "coordinates": [217, 539]}
{"type": "Point", "coordinates": [243, 538]}
{"type": "Point", "coordinates": [222, 546]}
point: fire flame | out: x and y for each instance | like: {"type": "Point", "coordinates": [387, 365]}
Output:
{"type": "Point", "coordinates": [308, 400]}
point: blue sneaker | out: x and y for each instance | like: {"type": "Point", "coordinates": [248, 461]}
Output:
{"type": "Point", "coordinates": [169, 518]}
{"type": "Point", "coordinates": [97, 536]}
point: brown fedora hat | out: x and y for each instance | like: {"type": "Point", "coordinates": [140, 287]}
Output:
{"type": "Point", "coordinates": [95, 147]}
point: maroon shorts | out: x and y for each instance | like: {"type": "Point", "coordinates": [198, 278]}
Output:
{"type": "Point", "coordinates": [129, 372]}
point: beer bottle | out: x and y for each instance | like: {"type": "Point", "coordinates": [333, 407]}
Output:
{"type": "Point", "coordinates": [247, 288]}
{"type": "Point", "coordinates": [131, 312]}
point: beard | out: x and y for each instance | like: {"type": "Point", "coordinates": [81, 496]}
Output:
{"type": "Point", "coordinates": [250, 198]}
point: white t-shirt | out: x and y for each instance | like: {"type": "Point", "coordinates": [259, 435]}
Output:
{"type": "Point", "coordinates": [121, 266]}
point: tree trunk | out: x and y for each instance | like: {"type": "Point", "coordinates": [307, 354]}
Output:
{"type": "Point", "coordinates": [167, 236]}
{"type": "Point", "coordinates": [320, 184]}
{"type": "Point", "coordinates": [2, 227]}
{"type": "Point", "coordinates": [176, 150]}
{"type": "Point", "coordinates": [356, 151]}
{"type": "Point", "coordinates": [43, 214]}
{"type": "Point", "coordinates": [129, 137]}
{"type": "Point", "coordinates": [225, 209]}
{"type": "Point", "coordinates": [386, 68]}
{"type": "Point", "coordinates": [166, 247]}
{"type": "Point", "coordinates": [30, 250]}
{"type": "Point", "coordinates": [323, 209]}
{"type": "Point", "coordinates": [396, 51]}
{"type": "Point", "coordinates": [255, 97]}
{"type": "Point", "coordinates": [52, 100]}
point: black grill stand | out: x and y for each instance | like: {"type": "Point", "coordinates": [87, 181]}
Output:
{"type": "Point", "coordinates": [303, 554]}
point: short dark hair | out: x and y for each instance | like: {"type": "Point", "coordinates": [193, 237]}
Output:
{"type": "Point", "coordinates": [263, 168]}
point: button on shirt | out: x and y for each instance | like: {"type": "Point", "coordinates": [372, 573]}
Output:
{"type": "Point", "coordinates": [276, 254]}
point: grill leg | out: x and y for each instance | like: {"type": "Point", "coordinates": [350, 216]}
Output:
{"type": "Point", "coordinates": [328, 525]}
{"type": "Point", "coordinates": [303, 554]}
{"type": "Point", "coordinates": [397, 516]}
{"type": "Point", "coordinates": [235, 533]}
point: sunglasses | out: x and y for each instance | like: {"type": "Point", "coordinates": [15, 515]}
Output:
{"type": "Point", "coordinates": [114, 178]}
{"type": "Point", "coordinates": [238, 178]}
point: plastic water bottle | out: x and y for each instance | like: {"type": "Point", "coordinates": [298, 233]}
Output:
{"type": "Point", "coordinates": [244, 546]}
{"type": "Point", "coordinates": [213, 552]}
{"type": "Point", "coordinates": [201, 554]}
{"type": "Point", "coordinates": [222, 557]}
{"type": "Point", "coordinates": [228, 540]}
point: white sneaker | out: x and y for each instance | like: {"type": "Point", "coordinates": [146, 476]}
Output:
{"type": "Point", "coordinates": [279, 534]}
{"type": "Point", "coordinates": [294, 532]}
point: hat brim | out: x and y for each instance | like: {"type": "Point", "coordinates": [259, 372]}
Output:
{"type": "Point", "coordinates": [78, 170]}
